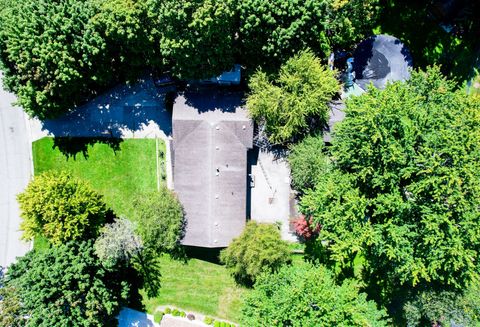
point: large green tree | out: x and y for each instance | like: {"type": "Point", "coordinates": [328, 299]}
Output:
{"type": "Point", "coordinates": [271, 31]}
{"type": "Point", "coordinates": [66, 286]}
{"type": "Point", "coordinates": [60, 207]}
{"type": "Point", "coordinates": [305, 295]}
{"type": "Point", "coordinates": [51, 53]}
{"type": "Point", "coordinates": [196, 36]}
{"type": "Point", "coordinates": [307, 162]}
{"type": "Point", "coordinates": [285, 105]}
{"type": "Point", "coordinates": [404, 189]}
{"type": "Point", "coordinates": [160, 220]}
{"type": "Point", "coordinates": [259, 248]}
{"type": "Point", "coordinates": [131, 35]}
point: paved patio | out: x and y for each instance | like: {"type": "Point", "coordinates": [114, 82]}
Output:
{"type": "Point", "coordinates": [272, 199]}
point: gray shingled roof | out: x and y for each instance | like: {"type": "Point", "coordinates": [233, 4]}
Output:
{"type": "Point", "coordinates": [211, 136]}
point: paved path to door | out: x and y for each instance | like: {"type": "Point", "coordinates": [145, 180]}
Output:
{"type": "Point", "coordinates": [15, 172]}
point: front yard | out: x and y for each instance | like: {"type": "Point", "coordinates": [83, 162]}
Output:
{"type": "Point", "coordinates": [117, 170]}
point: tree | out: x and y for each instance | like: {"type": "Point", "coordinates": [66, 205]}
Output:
{"type": "Point", "coordinates": [307, 162]}
{"type": "Point", "coordinates": [286, 105]}
{"type": "Point", "coordinates": [271, 31]}
{"type": "Point", "coordinates": [130, 33]}
{"type": "Point", "coordinates": [404, 189]}
{"type": "Point", "coordinates": [117, 243]}
{"type": "Point", "coordinates": [443, 308]}
{"type": "Point", "coordinates": [160, 220]}
{"type": "Point", "coordinates": [197, 36]}
{"type": "Point", "coordinates": [119, 246]}
{"type": "Point", "coordinates": [51, 54]}
{"type": "Point", "coordinates": [305, 295]}
{"type": "Point", "coordinates": [66, 286]}
{"type": "Point", "coordinates": [10, 308]}
{"type": "Point", "coordinates": [257, 249]}
{"type": "Point", "coordinates": [60, 207]}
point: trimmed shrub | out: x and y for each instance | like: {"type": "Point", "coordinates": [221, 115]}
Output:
{"type": "Point", "coordinates": [258, 248]}
{"type": "Point", "coordinates": [157, 317]}
{"type": "Point", "coordinates": [168, 311]}
{"type": "Point", "coordinates": [175, 313]}
{"type": "Point", "coordinates": [209, 320]}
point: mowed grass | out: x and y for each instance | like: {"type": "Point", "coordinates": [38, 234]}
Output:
{"type": "Point", "coordinates": [199, 286]}
{"type": "Point", "coordinates": [118, 174]}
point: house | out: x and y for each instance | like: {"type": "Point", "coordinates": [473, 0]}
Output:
{"type": "Point", "coordinates": [211, 136]}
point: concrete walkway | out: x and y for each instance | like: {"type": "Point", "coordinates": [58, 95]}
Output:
{"type": "Point", "coordinates": [15, 172]}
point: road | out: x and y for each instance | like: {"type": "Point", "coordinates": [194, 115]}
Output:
{"type": "Point", "coordinates": [15, 172]}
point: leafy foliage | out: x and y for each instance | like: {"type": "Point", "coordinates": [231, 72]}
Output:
{"type": "Point", "coordinates": [196, 36]}
{"type": "Point", "coordinates": [404, 190]}
{"type": "Point", "coordinates": [66, 286]}
{"type": "Point", "coordinates": [160, 220]}
{"type": "Point", "coordinates": [61, 208]}
{"type": "Point", "coordinates": [258, 248]}
{"type": "Point", "coordinates": [305, 295]}
{"type": "Point", "coordinates": [271, 31]}
{"type": "Point", "coordinates": [51, 53]}
{"type": "Point", "coordinates": [10, 308]}
{"type": "Point", "coordinates": [117, 243]}
{"type": "Point", "coordinates": [130, 34]}
{"type": "Point", "coordinates": [301, 92]}
{"type": "Point", "coordinates": [307, 162]}
{"type": "Point", "coordinates": [441, 308]}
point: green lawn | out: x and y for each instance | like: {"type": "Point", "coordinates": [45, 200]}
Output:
{"type": "Point", "coordinates": [199, 286]}
{"type": "Point", "coordinates": [117, 170]}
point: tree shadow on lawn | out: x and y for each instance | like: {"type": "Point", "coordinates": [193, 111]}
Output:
{"type": "Point", "coordinates": [71, 146]}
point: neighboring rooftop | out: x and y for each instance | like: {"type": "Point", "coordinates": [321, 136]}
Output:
{"type": "Point", "coordinates": [211, 135]}
{"type": "Point", "coordinates": [379, 59]}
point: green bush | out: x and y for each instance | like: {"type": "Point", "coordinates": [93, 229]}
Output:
{"type": "Point", "coordinates": [308, 296]}
{"type": "Point", "coordinates": [175, 313]}
{"type": "Point", "coordinates": [157, 317]}
{"type": "Point", "coordinates": [258, 248]}
{"type": "Point", "coordinates": [209, 320]}
{"type": "Point", "coordinates": [288, 103]}
{"type": "Point", "coordinates": [183, 314]}
{"type": "Point", "coordinates": [160, 221]}
{"type": "Point", "coordinates": [217, 324]}
{"type": "Point", "coordinates": [62, 208]}
{"type": "Point", "coordinates": [168, 311]}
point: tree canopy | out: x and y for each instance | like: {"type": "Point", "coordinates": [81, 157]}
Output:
{"type": "Point", "coordinates": [51, 53]}
{"type": "Point", "coordinates": [58, 54]}
{"type": "Point", "coordinates": [196, 36]}
{"type": "Point", "coordinates": [117, 243]}
{"type": "Point", "coordinates": [160, 220]}
{"type": "Point", "coordinates": [307, 162]}
{"type": "Point", "coordinates": [259, 248]}
{"type": "Point", "coordinates": [404, 188]}
{"type": "Point", "coordinates": [305, 295]}
{"type": "Point", "coordinates": [271, 31]}
{"type": "Point", "coordinates": [286, 105]}
{"type": "Point", "coordinates": [60, 207]}
{"type": "Point", "coordinates": [66, 286]}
